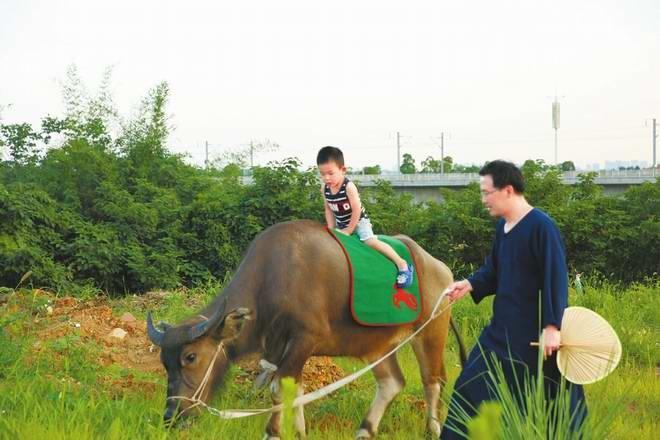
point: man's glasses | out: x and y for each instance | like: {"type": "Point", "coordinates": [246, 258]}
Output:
{"type": "Point", "coordinates": [487, 193]}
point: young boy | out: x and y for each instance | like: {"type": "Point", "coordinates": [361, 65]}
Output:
{"type": "Point", "coordinates": [344, 211]}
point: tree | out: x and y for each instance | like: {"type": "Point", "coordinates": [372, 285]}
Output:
{"type": "Point", "coordinates": [143, 142]}
{"type": "Point", "coordinates": [21, 140]}
{"type": "Point", "coordinates": [430, 165]}
{"type": "Point", "coordinates": [543, 185]}
{"type": "Point", "coordinates": [408, 165]}
{"type": "Point", "coordinates": [458, 168]}
{"type": "Point", "coordinates": [448, 164]}
{"type": "Point", "coordinates": [567, 166]}
{"type": "Point", "coordinates": [372, 170]}
{"type": "Point", "coordinates": [586, 188]}
{"type": "Point", "coordinates": [91, 117]}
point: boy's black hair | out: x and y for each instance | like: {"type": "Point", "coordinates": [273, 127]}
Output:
{"type": "Point", "coordinates": [503, 174]}
{"type": "Point", "coordinates": [330, 154]}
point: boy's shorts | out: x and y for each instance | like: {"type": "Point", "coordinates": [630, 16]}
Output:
{"type": "Point", "coordinates": [364, 230]}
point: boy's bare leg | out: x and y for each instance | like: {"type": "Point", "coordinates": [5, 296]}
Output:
{"type": "Point", "coordinates": [387, 250]}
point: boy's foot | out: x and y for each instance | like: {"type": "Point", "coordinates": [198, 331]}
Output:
{"type": "Point", "coordinates": [405, 278]}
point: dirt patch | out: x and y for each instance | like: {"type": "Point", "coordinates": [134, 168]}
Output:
{"type": "Point", "coordinates": [318, 372]}
{"type": "Point", "coordinates": [93, 322]}
{"type": "Point", "coordinates": [415, 403]}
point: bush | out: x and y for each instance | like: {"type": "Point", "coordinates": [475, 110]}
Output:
{"type": "Point", "coordinates": [121, 213]}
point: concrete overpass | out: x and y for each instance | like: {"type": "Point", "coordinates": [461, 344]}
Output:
{"type": "Point", "coordinates": [425, 186]}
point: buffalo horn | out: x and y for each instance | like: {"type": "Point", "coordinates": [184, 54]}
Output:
{"type": "Point", "coordinates": [200, 329]}
{"type": "Point", "coordinates": [155, 335]}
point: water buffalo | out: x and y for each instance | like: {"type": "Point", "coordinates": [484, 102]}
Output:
{"type": "Point", "coordinates": [289, 300]}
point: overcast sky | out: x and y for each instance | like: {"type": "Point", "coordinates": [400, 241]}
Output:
{"type": "Point", "coordinates": [352, 73]}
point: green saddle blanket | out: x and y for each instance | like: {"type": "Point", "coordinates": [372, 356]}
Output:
{"type": "Point", "coordinates": [375, 299]}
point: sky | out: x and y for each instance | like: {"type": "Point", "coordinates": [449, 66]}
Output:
{"type": "Point", "coordinates": [352, 74]}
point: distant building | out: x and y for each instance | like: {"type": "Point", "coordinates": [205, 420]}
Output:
{"type": "Point", "coordinates": [592, 167]}
{"type": "Point", "coordinates": [619, 164]}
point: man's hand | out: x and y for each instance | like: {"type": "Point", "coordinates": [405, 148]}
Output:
{"type": "Point", "coordinates": [551, 341]}
{"type": "Point", "coordinates": [458, 289]}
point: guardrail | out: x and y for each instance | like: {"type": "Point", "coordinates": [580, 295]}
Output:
{"type": "Point", "coordinates": [603, 177]}
{"type": "Point", "coordinates": [609, 177]}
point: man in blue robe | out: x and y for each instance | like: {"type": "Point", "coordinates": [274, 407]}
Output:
{"type": "Point", "coordinates": [526, 271]}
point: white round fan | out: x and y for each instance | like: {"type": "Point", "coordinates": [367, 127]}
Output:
{"type": "Point", "coordinates": [590, 348]}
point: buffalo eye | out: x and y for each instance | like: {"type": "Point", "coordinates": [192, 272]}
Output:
{"type": "Point", "coordinates": [190, 358]}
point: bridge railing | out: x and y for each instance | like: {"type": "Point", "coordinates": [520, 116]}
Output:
{"type": "Point", "coordinates": [462, 176]}
{"type": "Point", "coordinates": [647, 172]}
{"type": "Point", "coordinates": [603, 177]}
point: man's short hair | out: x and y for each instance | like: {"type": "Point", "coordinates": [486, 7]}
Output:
{"type": "Point", "coordinates": [330, 154]}
{"type": "Point", "coordinates": [503, 174]}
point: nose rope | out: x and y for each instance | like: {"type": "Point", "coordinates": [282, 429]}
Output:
{"type": "Point", "coordinates": [196, 397]}
{"type": "Point", "coordinates": [305, 398]}
{"type": "Point", "coordinates": [207, 375]}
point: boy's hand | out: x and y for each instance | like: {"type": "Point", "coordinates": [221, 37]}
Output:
{"type": "Point", "coordinates": [342, 231]}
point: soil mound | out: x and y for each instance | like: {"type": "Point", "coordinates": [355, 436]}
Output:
{"type": "Point", "coordinates": [125, 343]}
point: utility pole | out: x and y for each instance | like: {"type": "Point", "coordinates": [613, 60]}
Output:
{"type": "Point", "coordinates": [398, 152]}
{"type": "Point", "coordinates": [206, 160]}
{"type": "Point", "coordinates": [654, 141]}
{"type": "Point", "coordinates": [442, 152]}
{"type": "Point", "coordinates": [655, 136]}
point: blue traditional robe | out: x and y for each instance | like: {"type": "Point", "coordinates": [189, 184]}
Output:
{"type": "Point", "coordinates": [526, 271]}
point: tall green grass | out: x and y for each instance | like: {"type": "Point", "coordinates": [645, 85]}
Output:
{"type": "Point", "coordinates": [59, 391]}
{"type": "Point", "coordinates": [522, 410]}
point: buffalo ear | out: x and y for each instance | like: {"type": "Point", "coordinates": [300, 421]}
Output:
{"type": "Point", "coordinates": [232, 324]}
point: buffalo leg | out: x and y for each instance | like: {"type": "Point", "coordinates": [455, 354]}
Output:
{"type": "Point", "coordinates": [429, 348]}
{"type": "Point", "coordinates": [389, 381]}
{"type": "Point", "coordinates": [290, 366]}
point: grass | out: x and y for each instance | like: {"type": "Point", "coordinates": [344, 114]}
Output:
{"type": "Point", "coordinates": [62, 392]}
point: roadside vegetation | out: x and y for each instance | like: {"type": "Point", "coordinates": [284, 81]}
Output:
{"type": "Point", "coordinates": [94, 201]}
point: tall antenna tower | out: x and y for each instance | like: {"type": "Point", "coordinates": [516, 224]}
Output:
{"type": "Point", "coordinates": [555, 124]}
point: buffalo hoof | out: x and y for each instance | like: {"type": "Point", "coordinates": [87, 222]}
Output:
{"type": "Point", "coordinates": [362, 434]}
{"type": "Point", "coordinates": [433, 428]}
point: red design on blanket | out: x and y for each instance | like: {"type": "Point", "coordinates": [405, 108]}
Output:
{"type": "Point", "coordinates": [402, 296]}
